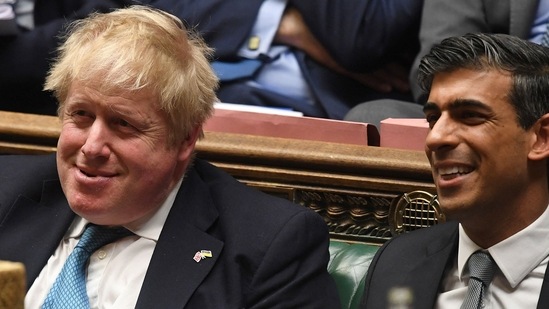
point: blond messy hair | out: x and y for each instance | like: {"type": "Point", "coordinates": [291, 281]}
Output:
{"type": "Point", "coordinates": [137, 48]}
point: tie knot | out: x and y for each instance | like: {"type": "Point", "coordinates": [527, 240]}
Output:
{"type": "Point", "coordinates": [96, 236]}
{"type": "Point", "coordinates": [481, 267]}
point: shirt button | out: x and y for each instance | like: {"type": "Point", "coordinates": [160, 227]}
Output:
{"type": "Point", "coordinates": [101, 254]}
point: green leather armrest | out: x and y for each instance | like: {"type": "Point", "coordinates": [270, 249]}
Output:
{"type": "Point", "coordinates": [348, 266]}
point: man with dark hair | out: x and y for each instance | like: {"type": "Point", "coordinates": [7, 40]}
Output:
{"type": "Point", "coordinates": [487, 108]}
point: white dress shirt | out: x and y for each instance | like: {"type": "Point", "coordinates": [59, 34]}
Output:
{"type": "Point", "coordinates": [522, 261]}
{"type": "Point", "coordinates": [116, 271]}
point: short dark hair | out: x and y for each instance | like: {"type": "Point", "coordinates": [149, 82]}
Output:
{"type": "Point", "coordinates": [527, 62]}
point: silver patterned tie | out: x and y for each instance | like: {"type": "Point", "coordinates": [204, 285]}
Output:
{"type": "Point", "coordinates": [481, 269]}
{"type": "Point", "coordinates": [69, 289]}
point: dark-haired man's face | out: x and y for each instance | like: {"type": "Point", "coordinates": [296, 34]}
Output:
{"type": "Point", "coordinates": [477, 150]}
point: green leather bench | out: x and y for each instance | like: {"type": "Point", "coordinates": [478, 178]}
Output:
{"type": "Point", "coordinates": [348, 266]}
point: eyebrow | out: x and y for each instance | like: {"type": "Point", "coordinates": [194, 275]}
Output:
{"type": "Point", "coordinates": [457, 104]}
{"type": "Point", "coordinates": [430, 106]}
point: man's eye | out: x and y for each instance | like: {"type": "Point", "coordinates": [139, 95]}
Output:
{"type": "Point", "coordinates": [470, 114]}
{"type": "Point", "coordinates": [472, 117]}
{"type": "Point", "coordinates": [125, 125]}
{"type": "Point", "coordinates": [80, 114]}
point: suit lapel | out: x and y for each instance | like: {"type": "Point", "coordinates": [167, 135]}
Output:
{"type": "Point", "coordinates": [173, 275]}
{"type": "Point", "coordinates": [45, 224]}
{"type": "Point", "coordinates": [429, 272]}
{"type": "Point", "coordinates": [543, 301]}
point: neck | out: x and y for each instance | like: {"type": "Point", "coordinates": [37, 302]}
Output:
{"type": "Point", "coordinates": [488, 229]}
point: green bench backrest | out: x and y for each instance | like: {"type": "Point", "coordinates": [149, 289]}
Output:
{"type": "Point", "coordinates": [348, 266]}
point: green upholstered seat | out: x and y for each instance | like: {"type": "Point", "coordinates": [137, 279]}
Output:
{"type": "Point", "coordinates": [348, 266]}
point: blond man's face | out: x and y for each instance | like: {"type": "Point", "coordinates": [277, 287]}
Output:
{"type": "Point", "coordinates": [114, 159]}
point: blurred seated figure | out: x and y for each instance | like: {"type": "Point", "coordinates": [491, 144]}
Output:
{"type": "Point", "coordinates": [526, 19]}
{"type": "Point", "coordinates": [318, 57]}
{"type": "Point", "coordinates": [28, 44]}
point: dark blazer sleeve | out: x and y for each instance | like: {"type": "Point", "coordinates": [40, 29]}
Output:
{"type": "Point", "coordinates": [23, 175]}
{"type": "Point", "coordinates": [293, 272]}
{"type": "Point", "coordinates": [415, 260]}
{"type": "Point", "coordinates": [34, 214]}
{"type": "Point", "coordinates": [361, 34]}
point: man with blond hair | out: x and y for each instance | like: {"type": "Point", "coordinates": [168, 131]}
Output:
{"type": "Point", "coordinates": [123, 216]}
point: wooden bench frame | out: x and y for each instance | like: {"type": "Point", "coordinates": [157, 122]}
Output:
{"type": "Point", "coordinates": [356, 189]}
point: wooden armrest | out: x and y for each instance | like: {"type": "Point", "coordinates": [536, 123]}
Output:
{"type": "Point", "coordinates": [28, 133]}
{"type": "Point", "coordinates": [355, 188]}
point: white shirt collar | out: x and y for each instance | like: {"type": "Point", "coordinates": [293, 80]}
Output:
{"type": "Point", "coordinates": [515, 256]}
{"type": "Point", "coordinates": [149, 228]}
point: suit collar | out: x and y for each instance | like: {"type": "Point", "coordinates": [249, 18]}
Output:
{"type": "Point", "coordinates": [40, 236]}
{"type": "Point", "coordinates": [543, 301]}
{"type": "Point", "coordinates": [173, 275]}
{"type": "Point", "coordinates": [437, 256]}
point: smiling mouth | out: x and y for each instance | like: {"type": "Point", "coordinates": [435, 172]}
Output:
{"type": "Point", "coordinates": [454, 171]}
{"type": "Point", "coordinates": [87, 174]}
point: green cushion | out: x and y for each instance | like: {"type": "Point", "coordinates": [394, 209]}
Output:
{"type": "Point", "coordinates": [348, 265]}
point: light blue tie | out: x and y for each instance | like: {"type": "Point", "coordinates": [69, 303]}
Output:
{"type": "Point", "coordinates": [69, 289]}
{"type": "Point", "coordinates": [481, 269]}
{"type": "Point", "coordinates": [230, 71]}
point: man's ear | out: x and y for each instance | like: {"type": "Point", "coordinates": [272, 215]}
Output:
{"type": "Point", "coordinates": [185, 151]}
{"type": "Point", "coordinates": [540, 147]}
{"type": "Point", "coordinates": [186, 148]}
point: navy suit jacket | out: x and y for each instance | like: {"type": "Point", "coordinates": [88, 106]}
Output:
{"type": "Point", "coordinates": [267, 252]}
{"type": "Point", "coordinates": [418, 260]}
{"type": "Point", "coordinates": [360, 35]}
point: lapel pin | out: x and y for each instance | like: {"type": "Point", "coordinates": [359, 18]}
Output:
{"type": "Point", "coordinates": [202, 254]}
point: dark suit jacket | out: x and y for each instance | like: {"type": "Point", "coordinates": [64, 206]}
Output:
{"type": "Point", "coordinates": [360, 35]}
{"type": "Point", "coordinates": [446, 18]}
{"type": "Point", "coordinates": [267, 252]}
{"type": "Point", "coordinates": [418, 260]}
